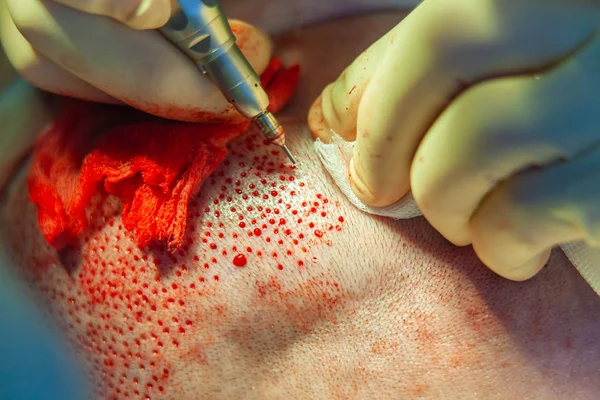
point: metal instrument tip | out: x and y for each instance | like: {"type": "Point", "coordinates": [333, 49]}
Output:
{"type": "Point", "coordinates": [287, 153]}
{"type": "Point", "coordinates": [273, 132]}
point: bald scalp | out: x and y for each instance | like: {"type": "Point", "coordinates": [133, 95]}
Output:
{"type": "Point", "coordinates": [283, 289]}
{"type": "Point", "coordinates": [277, 270]}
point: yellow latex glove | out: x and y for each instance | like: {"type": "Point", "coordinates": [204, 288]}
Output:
{"type": "Point", "coordinates": [109, 51]}
{"type": "Point", "coordinates": [489, 112]}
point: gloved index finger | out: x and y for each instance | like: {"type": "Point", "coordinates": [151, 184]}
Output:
{"type": "Point", "coordinates": [438, 51]}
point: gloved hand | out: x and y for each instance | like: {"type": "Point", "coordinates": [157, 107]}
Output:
{"type": "Point", "coordinates": [108, 50]}
{"type": "Point", "coordinates": [88, 49]}
{"type": "Point", "coordinates": [489, 112]}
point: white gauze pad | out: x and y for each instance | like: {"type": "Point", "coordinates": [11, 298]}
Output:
{"type": "Point", "coordinates": [336, 156]}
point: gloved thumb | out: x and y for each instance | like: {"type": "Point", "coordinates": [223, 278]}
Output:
{"type": "Point", "coordinates": [137, 14]}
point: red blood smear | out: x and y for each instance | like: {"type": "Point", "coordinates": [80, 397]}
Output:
{"type": "Point", "coordinates": [240, 260]}
{"type": "Point", "coordinates": [269, 74]}
{"type": "Point", "coordinates": [154, 166]}
{"type": "Point", "coordinates": [285, 81]}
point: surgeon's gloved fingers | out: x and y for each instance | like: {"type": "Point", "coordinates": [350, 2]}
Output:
{"type": "Point", "coordinates": [137, 14]}
{"type": "Point", "coordinates": [39, 70]}
{"type": "Point", "coordinates": [139, 68]}
{"type": "Point", "coordinates": [517, 225]}
{"type": "Point", "coordinates": [438, 50]}
{"type": "Point", "coordinates": [335, 110]}
{"type": "Point", "coordinates": [499, 128]}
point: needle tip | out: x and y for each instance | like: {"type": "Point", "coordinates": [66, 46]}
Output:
{"type": "Point", "coordinates": [287, 152]}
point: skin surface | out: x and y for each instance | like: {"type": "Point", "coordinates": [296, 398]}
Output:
{"type": "Point", "coordinates": [330, 303]}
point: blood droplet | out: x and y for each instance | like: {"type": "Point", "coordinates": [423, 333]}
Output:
{"type": "Point", "coordinates": [240, 260]}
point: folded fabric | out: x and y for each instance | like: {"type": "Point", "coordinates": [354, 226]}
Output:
{"type": "Point", "coordinates": [154, 166]}
{"type": "Point", "coordinates": [336, 156]}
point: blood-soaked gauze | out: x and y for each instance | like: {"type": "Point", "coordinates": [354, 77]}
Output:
{"type": "Point", "coordinates": [154, 166]}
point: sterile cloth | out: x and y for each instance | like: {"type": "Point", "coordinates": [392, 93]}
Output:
{"type": "Point", "coordinates": [336, 156]}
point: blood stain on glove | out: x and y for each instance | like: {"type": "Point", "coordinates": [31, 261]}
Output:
{"type": "Point", "coordinates": [153, 166]}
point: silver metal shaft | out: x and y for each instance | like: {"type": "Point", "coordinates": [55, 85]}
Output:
{"type": "Point", "coordinates": [201, 30]}
{"type": "Point", "coordinates": [287, 153]}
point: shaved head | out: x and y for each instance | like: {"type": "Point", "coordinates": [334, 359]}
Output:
{"type": "Point", "coordinates": [283, 289]}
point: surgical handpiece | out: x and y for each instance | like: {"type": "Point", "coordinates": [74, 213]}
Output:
{"type": "Point", "coordinates": [201, 30]}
